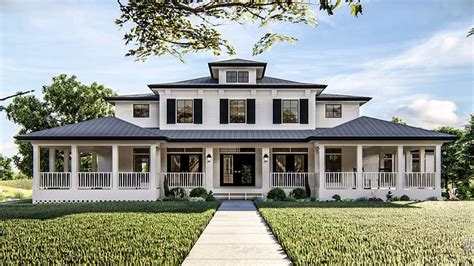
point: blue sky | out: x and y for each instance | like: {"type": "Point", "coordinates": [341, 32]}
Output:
{"type": "Point", "coordinates": [412, 56]}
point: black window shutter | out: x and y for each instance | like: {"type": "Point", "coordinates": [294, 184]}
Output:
{"type": "Point", "coordinates": [171, 111]}
{"type": "Point", "coordinates": [276, 111]}
{"type": "Point", "coordinates": [224, 111]}
{"type": "Point", "coordinates": [197, 111]}
{"type": "Point", "coordinates": [304, 111]}
{"type": "Point", "coordinates": [250, 111]}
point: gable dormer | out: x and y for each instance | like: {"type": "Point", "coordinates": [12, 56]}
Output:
{"type": "Point", "coordinates": [237, 71]}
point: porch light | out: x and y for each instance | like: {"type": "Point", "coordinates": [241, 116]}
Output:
{"type": "Point", "coordinates": [265, 158]}
{"type": "Point", "coordinates": [209, 158]}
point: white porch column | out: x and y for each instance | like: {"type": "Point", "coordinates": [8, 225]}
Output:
{"type": "Point", "coordinates": [360, 165]}
{"type": "Point", "coordinates": [158, 174]}
{"type": "Point", "coordinates": [408, 160]}
{"type": "Point", "coordinates": [422, 160]}
{"type": "Point", "coordinates": [94, 161]}
{"type": "Point", "coordinates": [152, 171]}
{"type": "Point", "coordinates": [317, 178]}
{"type": "Point", "coordinates": [52, 159]}
{"type": "Point", "coordinates": [208, 175]}
{"type": "Point", "coordinates": [322, 167]}
{"type": "Point", "coordinates": [66, 160]}
{"type": "Point", "coordinates": [36, 170]}
{"type": "Point", "coordinates": [400, 167]}
{"type": "Point", "coordinates": [438, 167]}
{"type": "Point", "coordinates": [74, 167]}
{"type": "Point", "coordinates": [265, 170]}
{"type": "Point", "coordinates": [115, 166]}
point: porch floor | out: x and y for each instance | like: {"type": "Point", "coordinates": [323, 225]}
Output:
{"type": "Point", "coordinates": [237, 234]}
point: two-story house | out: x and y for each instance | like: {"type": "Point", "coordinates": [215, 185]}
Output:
{"type": "Point", "coordinates": [238, 133]}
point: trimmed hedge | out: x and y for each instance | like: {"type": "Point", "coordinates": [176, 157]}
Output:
{"type": "Point", "coordinates": [299, 193]}
{"type": "Point", "coordinates": [198, 192]}
{"type": "Point", "coordinates": [160, 233]}
{"type": "Point", "coordinates": [276, 194]}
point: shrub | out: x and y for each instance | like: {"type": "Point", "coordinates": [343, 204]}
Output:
{"type": "Point", "coordinates": [389, 196]}
{"type": "Point", "coordinates": [19, 194]}
{"type": "Point", "coordinates": [464, 193]}
{"type": "Point", "coordinates": [404, 198]}
{"type": "Point", "coordinates": [336, 197]}
{"type": "Point", "coordinates": [375, 199]}
{"type": "Point", "coordinates": [362, 199]}
{"type": "Point", "coordinates": [299, 193]}
{"type": "Point", "coordinates": [166, 187]}
{"type": "Point", "coordinates": [198, 192]}
{"type": "Point", "coordinates": [2, 196]}
{"type": "Point", "coordinates": [276, 194]}
{"type": "Point", "coordinates": [395, 198]}
{"type": "Point", "coordinates": [307, 188]}
{"type": "Point", "coordinates": [210, 196]}
{"type": "Point", "coordinates": [196, 199]}
{"type": "Point", "coordinates": [177, 193]}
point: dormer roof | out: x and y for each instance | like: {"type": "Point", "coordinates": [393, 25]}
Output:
{"type": "Point", "coordinates": [237, 62]}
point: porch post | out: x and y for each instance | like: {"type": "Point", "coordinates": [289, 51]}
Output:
{"type": "Point", "coordinates": [115, 166]}
{"type": "Point", "coordinates": [360, 165]}
{"type": "Point", "coordinates": [66, 160]}
{"type": "Point", "coordinates": [208, 175]}
{"type": "Point", "coordinates": [422, 160]}
{"type": "Point", "coordinates": [400, 167]}
{"type": "Point", "coordinates": [438, 167]}
{"type": "Point", "coordinates": [316, 170]}
{"type": "Point", "coordinates": [152, 172]}
{"type": "Point", "coordinates": [322, 167]}
{"type": "Point", "coordinates": [158, 175]}
{"type": "Point", "coordinates": [36, 170]}
{"type": "Point", "coordinates": [74, 167]}
{"type": "Point", "coordinates": [52, 159]}
{"type": "Point", "coordinates": [265, 170]}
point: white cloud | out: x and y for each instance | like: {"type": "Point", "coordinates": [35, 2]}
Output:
{"type": "Point", "coordinates": [430, 113]}
{"type": "Point", "coordinates": [8, 149]}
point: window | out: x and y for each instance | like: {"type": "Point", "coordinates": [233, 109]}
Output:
{"type": "Point", "coordinates": [290, 162]}
{"type": "Point", "coordinates": [141, 160]}
{"type": "Point", "coordinates": [141, 110]}
{"type": "Point", "coordinates": [415, 162]}
{"type": "Point", "coordinates": [237, 111]}
{"type": "Point", "coordinates": [333, 111]}
{"type": "Point", "coordinates": [184, 111]}
{"type": "Point", "coordinates": [184, 162]}
{"type": "Point", "coordinates": [333, 160]}
{"type": "Point", "coordinates": [280, 163]}
{"type": "Point", "coordinates": [237, 76]}
{"type": "Point", "coordinates": [387, 163]}
{"type": "Point", "coordinates": [290, 111]}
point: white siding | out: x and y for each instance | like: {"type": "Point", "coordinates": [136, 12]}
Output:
{"type": "Point", "coordinates": [124, 110]}
{"type": "Point", "coordinates": [350, 111]}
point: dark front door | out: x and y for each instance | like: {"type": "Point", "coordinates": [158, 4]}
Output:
{"type": "Point", "coordinates": [237, 169]}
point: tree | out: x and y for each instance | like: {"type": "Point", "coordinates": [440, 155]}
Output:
{"type": "Point", "coordinates": [398, 120]}
{"type": "Point", "coordinates": [177, 27]}
{"type": "Point", "coordinates": [6, 172]}
{"type": "Point", "coordinates": [65, 101]}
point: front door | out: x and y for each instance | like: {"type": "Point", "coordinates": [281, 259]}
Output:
{"type": "Point", "coordinates": [237, 169]}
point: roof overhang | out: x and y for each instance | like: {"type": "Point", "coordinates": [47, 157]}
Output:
{"type": "Point", "coordinates": [236, 86]}
{"type": "Point", "coordinates": [214, 66]}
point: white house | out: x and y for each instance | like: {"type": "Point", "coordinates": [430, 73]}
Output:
{"type": "Point", "coordinates": [238, 133]}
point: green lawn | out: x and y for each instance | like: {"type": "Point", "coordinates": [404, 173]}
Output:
{"type": "Point", "coordinates": [101, 233]}
{"type": "Point", "coordinates": [373, 233]}
{"type": "Point", "coordinates": [25, 184]}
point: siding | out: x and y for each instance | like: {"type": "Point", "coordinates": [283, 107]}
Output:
{"type": "Point", "coordinates": [124, 111]}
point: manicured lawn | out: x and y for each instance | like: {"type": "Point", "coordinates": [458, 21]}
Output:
{"type": "Point", "coordinates": [11, 191]}
{"type": "Point", "coordinates": [101, 233]}
{"type": "Point", "coordinates": [25, 184]}
{"type": "Point", "coordinates": [373, 233]}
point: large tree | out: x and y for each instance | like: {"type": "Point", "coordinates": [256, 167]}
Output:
{"type": "Point", "coordinates": [65, 101]}
{"type": "Point", "coordinates": [177, 27]}
{"type": "Point", "coordinates": [6, 171]}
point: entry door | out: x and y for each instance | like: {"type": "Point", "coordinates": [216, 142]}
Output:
{"type": "Point", "coordinates": [237, 169]}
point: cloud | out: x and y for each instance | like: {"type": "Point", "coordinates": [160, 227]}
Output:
{"type": "Point", "coordinates": [430, 113]}
{"type": "Point", "coordinates": [8, 149]}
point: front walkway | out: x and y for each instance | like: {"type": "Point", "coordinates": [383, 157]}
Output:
{"type": "Point", "coordinates": [237, 235]}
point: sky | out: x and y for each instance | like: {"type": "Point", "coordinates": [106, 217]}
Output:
{"type": "Point", "coordinates": [411, 56]}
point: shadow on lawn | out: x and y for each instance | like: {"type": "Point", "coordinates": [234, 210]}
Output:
{"type": "Point", "coordinates": [333, 204]}
{"type": "Point", "coordinates": [49, 211]}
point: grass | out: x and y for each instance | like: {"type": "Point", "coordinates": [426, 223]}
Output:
{"type": "Point", "coordinates": [11, 191]}
{"type": "Point", "coordinates": [25, 184]}
{"type": "Point", "coordinates": [101, 233]}
{"type": "Point", "coordinates": [372, 232]}
{"type": "Point", "coordinates": [10, 188]}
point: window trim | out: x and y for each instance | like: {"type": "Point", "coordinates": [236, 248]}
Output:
{"type": "Point", "coordinates": [326, 110]}
{"type": "Point", "coordinates": [245, 111]}
{"type": "Point", "coordinates": [237, 77]}
{"type": "Point", "coordinates": [142, 104]}
{"type": "Point", "coordinates": [176, 111]}
{"type": "Point", "coordinates": [297, 108]}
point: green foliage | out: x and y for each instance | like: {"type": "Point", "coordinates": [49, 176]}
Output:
{"type": "Point", "coordinates": [276, 194]}
{"type": "Point", "coordinates": [372, 233]}
{"type": "Point", "coordinates": [398, 120]}
{"type": "Point", "coordinates": [198, 192]}
{"type": "Point", "coordinates": [19, 194]}
{"type": "Point", "coordinates": [299, 193]}
{"type": "Point", "coordinates": [2, 196]}
{"type": "Point", "coordinates": [361, 199]}
{"type": "Point", "coordinates": [404, 198]}
{"type": "Point", "coordinates": [18, 183]}
{"type": "Point", "coordinates": [65, 101]}
{"type": "Point", "coordinates": [6, 172]}
{"type": "Point", "coordinates": [196, 199]}
{"type": "Point", "coordinates": [432, 199]}
{"type": "Point", "coordinates": [389, 195]}
{"type": "Point", "coordinates": [160, 233]}
{"type": "Point", "coordinates": [177, 193]}
{"type": "Point", "coordinates": [375, 199]}
{"type": "Point", "coordinates": [210, 196]}
{"type": "Point", "coordinates": [180, 27]}
{"type": "Point", "coordinates": [336, 197]}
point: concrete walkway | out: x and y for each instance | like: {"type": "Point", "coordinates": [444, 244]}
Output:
{"type": "Point", "coordinates": [237, 235]}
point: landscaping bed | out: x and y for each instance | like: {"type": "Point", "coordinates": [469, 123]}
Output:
{"type": "Point", "coordinates": [373, 232]}
{"type": "Point", "coordinates": [101, 233]}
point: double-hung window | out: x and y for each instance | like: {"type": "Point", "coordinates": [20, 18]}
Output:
{"type": "Point", "coordinates": [290, 111]}
{"type": "Point", "coordinates": [237, 77]}
{"type": "Point", "coordinates": [141, 110]}
{"type": "Point", "coordinates": [237, 111]}
{"type": "Point", "coordinates": [333, 111]}
{"type": "Point", "coordinates": [184, 111]}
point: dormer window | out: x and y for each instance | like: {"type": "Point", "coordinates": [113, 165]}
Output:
{"type": "Point", "coordinates": [237, 77]}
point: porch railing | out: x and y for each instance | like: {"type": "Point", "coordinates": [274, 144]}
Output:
{"type": "Point", "coordinates": [377, 180]}
{"type": "Point", "coordinates": [341, 180]}
{"type": "Point", "coordinates": [419, 180]}
{"type": "Point", "coordinates": [289, 179]}
{"type": "Point", "coordinates": [55, 180]}
{"type": "Point", "coordinates": [134, 180]}
{"type": "Point", "coordinates": [94, 180]}
{"type": "Point", "coordinates": [185, 179]}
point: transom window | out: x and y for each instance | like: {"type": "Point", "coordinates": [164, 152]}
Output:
{"type": "Point", "coordinates": [237, 76]}
{"type": "Point", "coordinates": [333, 111]}
{"type": "Point", "coordinates": [290, 111]}
{"type": "Point", "coordinates": [141, 110]}
{"type": "Point", "coordinates": [237, 111]}
{"type": "Point", "coordinates": [184, 111]}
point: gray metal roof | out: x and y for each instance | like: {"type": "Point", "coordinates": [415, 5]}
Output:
{"type": "Point", "coordinates": [111, 128]}
{"type": "Point", "coordinates": [341, 97]}
{"type": "Point", "coordinates": [237, 61]}
{"type": "Point", "coordinates": [133, 97]}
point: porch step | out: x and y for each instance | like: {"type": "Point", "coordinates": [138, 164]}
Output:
{"type": "Point", "coordinates": [238, 195]}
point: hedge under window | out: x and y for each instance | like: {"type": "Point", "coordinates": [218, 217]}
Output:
{"type": "Point", "coordinates": [141, 110]}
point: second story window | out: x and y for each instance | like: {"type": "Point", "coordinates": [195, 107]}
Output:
{"type": "Point", "coordinates": [237, 77]}
{"type": "Point", "coordinates": [141, 110]}
{"type": "Point", "coordinates": [184, 111]}
{"type": "Point", "coordinates": [237, 111]}
{"type": "Point", "coordinates": [290, 111]}
{"type": "Point", "coordinates": [333, 111]}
